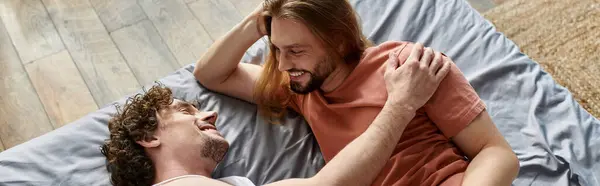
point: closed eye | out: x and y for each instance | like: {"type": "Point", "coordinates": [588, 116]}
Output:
{"type": "Point", "coordinates": [185, 110]}
{"type": "Point", "coordinates": [295, 52]}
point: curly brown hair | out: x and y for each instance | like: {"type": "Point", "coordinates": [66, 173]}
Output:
{"type": "Point", "coordinates": [128, 163]}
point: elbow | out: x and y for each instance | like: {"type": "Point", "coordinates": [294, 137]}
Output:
{"type": "Point", "coordinates": [511, 162]}
{"type": "Point", "coordinates": [203, 76]}
{"type": "Point", "coordinates": [211, 77]}
{"type": "Point", "coordinates": [198, 72]}
{"type": "Point", "coordinates": [200, 77]}
{"type": "Point", "coordinates": [515, 165]}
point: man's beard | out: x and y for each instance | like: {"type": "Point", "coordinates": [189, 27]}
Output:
{"type": "Point", "coordinates": [323, 70]}
{"type": "Point", "coordinates": [215, 149]}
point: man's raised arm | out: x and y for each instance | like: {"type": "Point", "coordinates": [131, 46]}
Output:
{"type": "Point", "coordinates": [219, 69]}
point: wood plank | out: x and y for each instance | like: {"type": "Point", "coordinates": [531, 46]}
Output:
{"type": "Point", "coordinates": [178, 27]}
{"type": "Point", "coordinates": [21, 112]}
{"type": "Point", "coordinates": [30, 28]}
{"type": "Point", "coordinates": [217, 16]}
{"type": "Point", "coordinates": [499, 1]}
{"type": "Point", "coordinates": [147, 55]}
{"type": "Point", "coordinates": [99, 61]}
{"type": "Point", "coordinates": [116, 14]}
{"type": "Point", "coordinates": [482, 5]}
{"type": "Point", "coordinates": [246, 7]}
{"type": "Point", "coordinates": [60, 88]}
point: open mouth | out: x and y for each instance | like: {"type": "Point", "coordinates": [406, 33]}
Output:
{"type": "Point", "coordinates": [296, 74]}
{"type": "Point", "coordinates": [209, 129]}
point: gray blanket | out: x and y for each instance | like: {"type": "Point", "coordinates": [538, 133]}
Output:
{"type": "Point", "coordinates": [557, 142]}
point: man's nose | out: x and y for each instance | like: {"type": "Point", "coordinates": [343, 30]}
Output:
{"type": "Point", "coordinates": [284, 63]}
{"type": "Point", "coordinates": [209, 117]}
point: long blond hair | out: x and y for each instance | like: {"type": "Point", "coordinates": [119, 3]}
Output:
{"type": "Point", "coordinates": [334, 22]}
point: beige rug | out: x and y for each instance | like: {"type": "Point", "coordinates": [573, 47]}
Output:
{"type": "Point", "coordinates": [563, 36]}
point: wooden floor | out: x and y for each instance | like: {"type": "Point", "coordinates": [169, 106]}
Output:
{"type": "Point", "coordinates": [61, 59]}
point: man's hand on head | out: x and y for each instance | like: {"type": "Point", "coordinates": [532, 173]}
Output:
{"type": "Point", "coordinates": [258, 17]}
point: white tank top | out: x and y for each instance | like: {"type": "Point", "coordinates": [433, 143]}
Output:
{"type": "Point", "coordinates": [233, 180]}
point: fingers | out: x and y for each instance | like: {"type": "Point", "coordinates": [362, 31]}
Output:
{"type": "Point", "coordinates": [436, 62]}
{"type": "Point", "coordinates": [427, 56]}
{"type": "Point", "coordinates": [446, 65]}
{"type": "Point", "coordinates": [393, 62]}
{"type": "Point", "coordinates": [416, 53]}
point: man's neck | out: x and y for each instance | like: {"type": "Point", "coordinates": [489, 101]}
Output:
{"type": "Point", "coordinates": [337, 77]}
{"type": "Point", "coordinates": [167, 168]}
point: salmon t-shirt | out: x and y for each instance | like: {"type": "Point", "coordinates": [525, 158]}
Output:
{"type": "Point", "coordinates": [425, 154]}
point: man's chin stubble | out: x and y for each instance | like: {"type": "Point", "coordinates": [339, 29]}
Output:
{"type": "Point", "coordinates": [313, 84]}
{"type": "Point", "coordinates": [215, 149]}
{"type": "Point", "coordinates": [298, 89]}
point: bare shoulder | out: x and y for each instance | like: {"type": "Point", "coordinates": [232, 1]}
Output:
{"type": "Point", "coordinates": [196, 181]}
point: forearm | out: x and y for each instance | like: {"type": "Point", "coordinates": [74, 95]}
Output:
{"type": "Point", "coordinates": [223, 57]}
{"type": "Point", "coordinates": [361, 161]}
{"type": "Point", "coordinates": [494, 166]}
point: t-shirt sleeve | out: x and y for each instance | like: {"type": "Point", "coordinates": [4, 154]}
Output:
{"type": "Point", "coordinates": [455, 104]}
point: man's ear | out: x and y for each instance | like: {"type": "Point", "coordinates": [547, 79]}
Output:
{"type": "Point", "coordinates": [149, 141]}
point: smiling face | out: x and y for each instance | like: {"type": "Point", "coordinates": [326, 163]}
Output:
{"type": "Point", "coordinates": [186, 131]}
{"type": "Point", "coordinates": [300, 54]}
